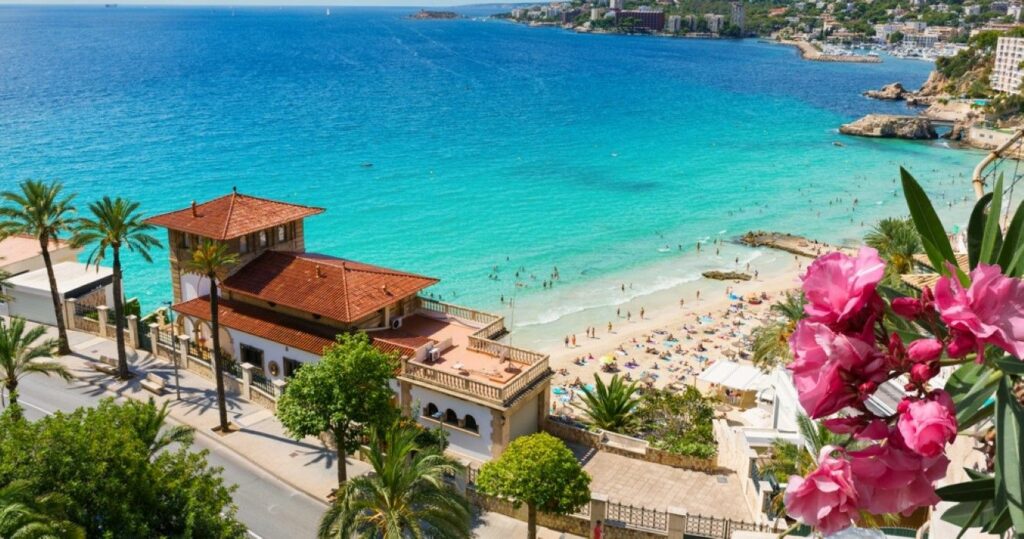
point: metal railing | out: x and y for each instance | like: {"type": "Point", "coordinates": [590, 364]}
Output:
{"type": "Point", "coordinates": [261, 382]}
{"type": "Point", "coordinates": [457, 311]}
{"type": "Point", "coordinates": [637, 517]}
{"type": "Point", "coordinates": [232, 367]}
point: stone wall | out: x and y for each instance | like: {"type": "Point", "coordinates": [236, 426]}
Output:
{"type": "Point", "coordinates": [597, 440]}
{"type": "Point", "coordinates": [563, 523]}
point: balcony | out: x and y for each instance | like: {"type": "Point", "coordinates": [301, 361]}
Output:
{"type": "Point", "coordinates": [465, 359]}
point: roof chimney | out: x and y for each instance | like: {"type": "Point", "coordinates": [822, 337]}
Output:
{"type": "Point", "coordinates": [384, 288]}
{"type": "Point", "coordinates": [319, 272]}
{"type": "Point", "coordinates": [234, 190]}
{"type": "Point", "coordinates": [194, 213]}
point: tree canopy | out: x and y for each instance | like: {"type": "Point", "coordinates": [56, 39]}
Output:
{"type": "Point", "coordinates": [679, 422]}
{"type": "Point", "coordinates": [101, 461]}
{"type": "Point", "coordinates": [344, 392]}
{"type": "Point", "coordinates": [540, 471]}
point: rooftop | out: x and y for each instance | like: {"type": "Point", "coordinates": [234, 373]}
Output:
{"type": "Point", "coordinates": [70, 277]}
{"type": "Point", "coordinates": [231, 216]}
{"type": "Point", "coordinates": [17, 248]}
{"type": "Point", "coordinates": [339, 289]}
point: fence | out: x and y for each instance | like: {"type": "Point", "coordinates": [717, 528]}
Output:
{"type": "Point", "coordinates": [637, 517]}
{"type": "Point", "coordinates": [87, 325]}
{"type": "Point", "coordinates": [260, 381]}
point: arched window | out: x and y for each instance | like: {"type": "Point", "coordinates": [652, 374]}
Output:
{"type": "Point", "coordinates": [432, 411]}
{"type": "Point", "coordinates": [451, 417]}
{"type": "Point", "coordinates": [469, 423]}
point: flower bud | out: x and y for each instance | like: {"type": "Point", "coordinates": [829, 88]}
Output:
{"type": "Point", "coordinates": [924, 350]}
{"type": "Point", "coordinates": [909, 308]}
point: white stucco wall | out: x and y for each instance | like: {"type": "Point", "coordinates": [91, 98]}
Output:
{"type": "Point", "coordinates": [272, 352]}
{"type": "Point", "coordinates": [524, 421]}
{"type": "Point", "coordinates": [477, 447]}
{"type": "Point", "coordinates": [194, 286]}
{"type": "Point", "coordinates": [31, 306]}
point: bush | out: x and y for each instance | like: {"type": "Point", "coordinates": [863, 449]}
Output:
{"type": "Point", "coordinates": [676, 422]}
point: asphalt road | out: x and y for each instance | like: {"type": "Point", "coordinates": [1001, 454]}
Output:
{"type": "Point", "coordinates": [270, 508]}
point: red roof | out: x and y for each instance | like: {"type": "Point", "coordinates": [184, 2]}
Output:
{"type": "Point", "coordinates": [312, 338]}
{"type": "Point", "coordinates": [332, 287]}
{"type": "Point", "coordinates": [289, 331]}
{"type": "Point", "coordinates": [231, 216]}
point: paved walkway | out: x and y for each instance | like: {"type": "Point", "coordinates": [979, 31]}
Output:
{"type": "Point", "coordinates": [635, 482]}
{"type": "Point", "coordinates": [305, 465]}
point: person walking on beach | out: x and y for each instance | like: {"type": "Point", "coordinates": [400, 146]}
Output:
{"type": "Point", "coordinates": [618, 312]}
{"type": "Point", "coordinates": [682, 302]}
{"type": "Point", "coordinates": [629, 316]}
{"type": "Point", "coordinates": [574, 341]}
{"type": "Point", "coordinates": [609, 326]}
{"type": "Point", "coordinates": [567, 341]}
{"type": "Point", "coordinates": [698, 294]}
{"type": "Point", "coordinates": [641, 313]}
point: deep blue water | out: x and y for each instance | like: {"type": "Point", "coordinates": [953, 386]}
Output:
{"type": "Point", "coordinates": [488, 140]}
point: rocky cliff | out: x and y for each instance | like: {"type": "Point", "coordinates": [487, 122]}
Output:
{"type": "Point", "coordinates": [889, 92]}
{"type": "Point", "coordinates": [891, 126]}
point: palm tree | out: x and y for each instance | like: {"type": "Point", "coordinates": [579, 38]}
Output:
{"type": "Point", "coordinates": [150, 426]}
{"type": "Point", "coordinates": [115, 224]}
{"type": "Point", "coordinates": [40, 210]}
{"type": "Point", "coordinates": [897, 241]}
{"type": "Point", "coordinates": [23, 515]}
{"type": "Point", "coordinates": [405, 496]}
{"type": "Point", "coordinates": [610, 407]}
{"type": "Point", "coordinates": [771, 340]}
{"type": "Point", "coordinates": [19, 351]}
{"type": "Point", "coordinates": [211, 259]}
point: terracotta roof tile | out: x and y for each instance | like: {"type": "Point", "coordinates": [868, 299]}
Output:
{"type": "Point", "coordinates": [286, 330]}
{"type": "Point", "coordinates": [312, 338]}
{"type": "Point", "coordinates": [339, 289]}
{"type": "Point", "coordinates": [231, 216]}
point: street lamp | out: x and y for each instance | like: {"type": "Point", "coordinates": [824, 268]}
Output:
{"type": "Point", "coordinates": [174, 349]}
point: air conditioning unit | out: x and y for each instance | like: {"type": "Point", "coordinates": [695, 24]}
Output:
{"type": "Point", "coordinates": [435, 355]}
{"type": "Point", "coordinates": [396, 323]}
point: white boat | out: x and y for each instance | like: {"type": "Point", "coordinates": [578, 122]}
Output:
{"type": "Point", "coordinates": [328, 12]}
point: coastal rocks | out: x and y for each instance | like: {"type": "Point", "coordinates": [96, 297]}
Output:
{"type": "Point", "coordinates": [726, 275]}
{"type": "Point", "coordinates": [889, 92]}
{"type": "Point", "coordinates": [891, 126]}
{"type": "Point", "coordinates": [934, 86]}
{"type": "Point", "coordinates": [426, 14]}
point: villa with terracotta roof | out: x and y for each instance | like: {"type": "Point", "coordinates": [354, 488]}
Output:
{"type": "Point", "coordinates": [281, 306]}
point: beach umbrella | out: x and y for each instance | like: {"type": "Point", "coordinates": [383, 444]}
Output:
{"type": "Point", "coordinates": [607, 360]}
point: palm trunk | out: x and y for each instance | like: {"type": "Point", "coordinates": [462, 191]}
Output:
{"type": "Point", "coordinates": [531, 521]}
{"type": "Point", "coordinates": [339, 441]}
{"type": "Point", "coordinates": [12, 390]}
{"type": "Point", "coordinates": [218, 371]}
{"type": "Point", "coordinates": [58, 309]}
{"type": "Point", "coordinates": [122, 356]}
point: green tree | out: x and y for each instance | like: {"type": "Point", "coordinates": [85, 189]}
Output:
{"type": "Point", "coordinates": [540, 471]}
{"type": "Point", "coordinates": [40, 210]}
{"type": "Point", "coordinates": [20, 351]}
{"type": "Point", "coordinates": [897, 241]}
{"type": "Point", "coordinates": [771, 339]}
{"type": "Point", "coordinates": [405, 496]}
{"type": "Point", "coordinates": [343, 393]}
{"type": "Point", "coordinates": [115, 487]}
{"type": "Point", "coordinates": [26, 516]}
{"type": "Point", "coordinates": [150, 426]}
{"type": "Point", "coordinates": [211, 259]}
{"type": "Point", "coordinates": [114, 224]}
{"type": "Point", "coordinates": [679, 422]}
{"type": "Point", "coordinates": [611, 406]}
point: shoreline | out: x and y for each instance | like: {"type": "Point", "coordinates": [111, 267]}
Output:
{"type": "Point", "coordinates": [811, 53]}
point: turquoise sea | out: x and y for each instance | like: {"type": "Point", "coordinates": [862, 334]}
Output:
{"type": "Point", "coordinates": [492, 144]}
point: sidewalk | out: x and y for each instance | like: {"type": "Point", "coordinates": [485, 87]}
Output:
{"type": "Point", "coordinates": [305, 465]}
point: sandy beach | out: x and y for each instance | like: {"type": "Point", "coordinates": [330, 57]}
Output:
{"type": "Point", "coordinates": [671, 345]}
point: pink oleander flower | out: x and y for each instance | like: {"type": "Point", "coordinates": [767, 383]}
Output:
{"type": "Point", "coordinates": [838, 287]}
{"type": "Point", "coordinates": [831, 370]}
{"type": "Point", "coordinates": [826, 498]}
{"type": "Point", "coordinates": [992, 309]}
{"type": "Point", "coordinates": [927, 425]}
{"type": "Point", "coordinates": [890, 478]}
{"type": "Point", "coordinates": [862, 427]}
{"type": "Point", "coordinates": [924, 350]}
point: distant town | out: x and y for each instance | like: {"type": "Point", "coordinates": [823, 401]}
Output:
{"type": "Point", "coordinates": [915, 28]}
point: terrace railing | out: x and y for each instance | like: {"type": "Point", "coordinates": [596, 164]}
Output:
{"type": "Point", "coordinates": [458, 311]}
{"type": "Point", "coordinates": [637, 517]}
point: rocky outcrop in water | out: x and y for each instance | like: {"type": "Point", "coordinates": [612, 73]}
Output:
{"type": "Point", "coordinates": [726, 275]}
{"type": "Point", "coordinates": [889, 92]}
{"type": "Point", "coordinates": [891, 126]}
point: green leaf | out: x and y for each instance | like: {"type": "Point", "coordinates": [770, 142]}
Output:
{"type": "Point", "coordinates": [1013, 243]}
{"type": "Point", "coordinates": [992, 241]}
{"type": "Point", "coordinates": [971, 386]}
{"type": "Point", "coordinates": [1009, 481]}
{"type": "Point", "coordinates": [1010, 365]}
{"type": "Point", "coordinates": [999, 524]}
{"type": "Point", "coordinates": [976, 230]}
{"type": "Point", "coordinates": [969, 491]}
{"type": "Point", "coordinates": [933, 235]}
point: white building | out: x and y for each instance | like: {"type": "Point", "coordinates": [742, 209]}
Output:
{"type": "Point", "coordinates": [19, 254]}
{"type": "Point", "coordinates": [674, 24]}
{"type": "Point", "coordinates": [715, 22]}
{"type": "Point", "coordinates": [280, 307]}
{"type": "Point", "coordinates": [972, 9]}
{"type": "Point", "coordinates": [30, 292]}
{"type": "Point", "coordinates": [1014, 11]}
{"type": "Point", "coordinates": [1006, 75]}
{"type": "Point", "coordinates": [616, 4]}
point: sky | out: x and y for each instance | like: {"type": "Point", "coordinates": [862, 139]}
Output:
{"type": "Point", "coordinates": [290, 3]}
